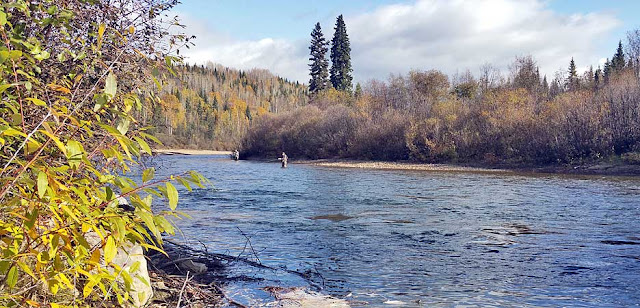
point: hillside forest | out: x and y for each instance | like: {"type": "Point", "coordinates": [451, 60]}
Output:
{"type": "Point", "coordinates": [212, 106]}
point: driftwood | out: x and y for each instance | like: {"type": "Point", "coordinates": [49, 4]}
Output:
{"type": "Point", "coordinates": [176, 285]}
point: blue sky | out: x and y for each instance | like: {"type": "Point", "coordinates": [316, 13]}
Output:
{"type": "Point", "coordinates": [274, 34]}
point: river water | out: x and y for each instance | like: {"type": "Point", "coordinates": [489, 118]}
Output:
{"type": "Point", "coordinates": [415, 239]}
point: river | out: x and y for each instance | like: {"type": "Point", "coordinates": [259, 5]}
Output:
{"type": "Point", "coordinates": [433, 239]}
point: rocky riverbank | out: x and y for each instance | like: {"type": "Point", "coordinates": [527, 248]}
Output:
{"type": "Point", "coordinates": [189, 277]}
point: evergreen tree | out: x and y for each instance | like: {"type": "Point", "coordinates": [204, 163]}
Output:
{"type": "Point", "coordinates": [319, 65]}
{"type": "Point", "coordinates": [618, 62]}
{"type": "Point", "coordinates": [607, 71]}
{"type": "Point", "coordinates": [572, 79]}
{"type": "Point", "coordinates": [341, 58]}
{"type": "Point", "coordinates": [358, 91]}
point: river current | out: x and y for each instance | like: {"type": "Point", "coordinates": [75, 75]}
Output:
{"type": "Point", "coordinates": [425, 239]}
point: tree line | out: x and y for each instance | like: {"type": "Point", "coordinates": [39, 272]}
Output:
{"type": "Point", "coordinates": [517, 116]}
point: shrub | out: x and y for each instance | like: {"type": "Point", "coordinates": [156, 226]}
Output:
{"type": "Point", "coordinates": [72, 78]}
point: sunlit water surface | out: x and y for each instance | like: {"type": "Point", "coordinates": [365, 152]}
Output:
{"type": "Point", "coordinates": [426, 238]}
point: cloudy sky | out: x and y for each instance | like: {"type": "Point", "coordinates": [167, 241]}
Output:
{"type": "Point", "coordinates": [390, 37]}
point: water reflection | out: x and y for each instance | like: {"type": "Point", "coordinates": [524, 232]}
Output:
{"type": "Point", "coordinates": [426, 238]}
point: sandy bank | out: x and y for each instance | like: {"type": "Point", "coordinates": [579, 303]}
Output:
{"type": "Point", "coordinates": [401, 166]}
{"type": "Point", "coordinates": [594, 169]}
{"type": "Point", "coordinates": [190, 152]}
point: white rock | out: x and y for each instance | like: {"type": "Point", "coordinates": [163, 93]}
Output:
{"type": "Point", "coordinates": [307, 299]}
{"type": "Point", "coordinates": [126, 257]}
{"type": "Point", "coordinates": [194, 267]}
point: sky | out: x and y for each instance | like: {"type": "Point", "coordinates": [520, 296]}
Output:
{"type": "Point", "coordinates": [395, 37]}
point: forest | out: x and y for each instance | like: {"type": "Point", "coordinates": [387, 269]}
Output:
{"type": "Point", "coordinates": [211, 106]}
{"type": "Point", "coordinates": [517, 117]}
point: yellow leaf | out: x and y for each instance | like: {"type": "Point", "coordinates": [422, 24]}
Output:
{"type": "Point", "coordinates": [42, 183]}
{"type": "Point", "coordinates": [95, 257]}
{"type": "Point", "coordinates": [172, 195]}
{"type": "Point", "coordinates": [55, 139]}
{"type": "Point", "coordinates": [88, 288]}
{"type": "Point", "coordinates": [101, 30]}
{"type": "Point", "coordinates": [59, 88]}
{"type": "Point", "coordinates": [109, 250]}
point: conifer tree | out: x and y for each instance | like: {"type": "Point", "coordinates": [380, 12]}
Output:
{"type": "Point", "coordinates": [572, 79]}
{"type": "Point", "coordinates": [358, 91]}
{"type": "Point", "coordinates": [606, 71]}
{"type": "Point", "coordinates": [618, 62]}
{"type": "Point", "coordinates": [319, 65]}
{"type": "Point", "coordinates": [340, 72]}
{"type": "Point", "coordinates": [597, 78]}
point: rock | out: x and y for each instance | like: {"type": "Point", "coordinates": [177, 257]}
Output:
{"type": "Point", "coordinates": [193, 267]}
{"type": "Point", "coordinates": [126, 257]}
{"type": "Point", "coordinates": [306, 299]}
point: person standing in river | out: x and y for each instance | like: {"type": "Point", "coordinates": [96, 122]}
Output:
{"type": "Point", "coordinates": [284, 159]}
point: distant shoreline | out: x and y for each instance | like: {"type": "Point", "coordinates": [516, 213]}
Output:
{"type": "Point", "coordinates": [189, 152]}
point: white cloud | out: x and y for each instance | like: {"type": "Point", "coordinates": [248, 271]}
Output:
{"type": "Point", "coordinates": [457, 34]}
{"type": "Point", "coordinates": [448, 35]}
{"type": "Point", "coordinates": [282, 57]}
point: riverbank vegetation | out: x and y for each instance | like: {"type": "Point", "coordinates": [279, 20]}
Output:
{"type": "Point", "coordinates": [74, 78]}
{"type": "Point", "coordinates": [519, 117]}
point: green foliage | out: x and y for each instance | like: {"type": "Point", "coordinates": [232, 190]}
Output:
{"type": "Point", "coordinates": [72, 79]}
{"type": "Point", "coordinates": [340, 73]}
{"type": "Point", "coordinates": [319, 64]}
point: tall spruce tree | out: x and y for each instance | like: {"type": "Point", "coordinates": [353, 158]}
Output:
{"type": "Point", "coordinates": [341, 78]}
{"type": "Point", "coordinates": [319, 64]}
{"type": "Point", "coordinates": [572, 79]}
{"type": "Point", "coordinates": [618, 62]}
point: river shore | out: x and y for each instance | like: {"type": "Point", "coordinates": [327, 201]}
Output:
{"type": "Point", "coordinates": [600, 168]}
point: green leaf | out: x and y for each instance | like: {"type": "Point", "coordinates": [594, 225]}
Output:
{"type": "Point", "coordinates": [56, 140]}
{"type": "Point", "coordinates": [148, 174]}
{"type": "Point", "coordinates": [4, 87]}
{"type": "Point", "coordinates": [109, 250]}
{"type": "Point", "coordinates": [37, 102]}
{"type": "Point", "coordinates": [12, 277]}
{"type": "Point", "coordinates": [101, 100]}
{"type": "Point", "coordinates": [75, 151]}
{"type": "Point", "coordinates": [147, 218]}
{"type": "Point", "coordinates": [110, 86]}
{"type": "Point", "coordinates": [3, 18]}
{"type": "Point", "coordinates": [42, 183]}
{"type": "Point", "coordinates": [143, 145]}
{"type": "Point", "coordinates": [185, 183]}
{"type": "Point", "coordinates": [123, 125]}
{"type": "Point", "coordinates": [172, 195]}
{"type": "Point", "coordinates": [109, 193]}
